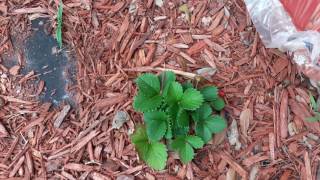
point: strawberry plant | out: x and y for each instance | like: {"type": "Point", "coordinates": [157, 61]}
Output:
{"type": "Point", "coordinates": [176, 116]}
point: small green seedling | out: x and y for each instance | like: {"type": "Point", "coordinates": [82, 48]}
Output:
{"type": "Point", "coordinates": [177, 117]}
{"type": "Point", "coordinates": [59, 24]}
{"type": "Point", "coordinates": [315, 110]}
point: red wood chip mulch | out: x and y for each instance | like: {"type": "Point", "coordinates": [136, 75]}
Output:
{"type": "Point", "coordinates": [267, 98]}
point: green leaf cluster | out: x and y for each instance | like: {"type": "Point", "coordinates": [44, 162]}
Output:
{"type": "Point", "coordinates": [171, 110]}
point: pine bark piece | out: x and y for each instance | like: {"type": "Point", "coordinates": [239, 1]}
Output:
{"type": "Point", "coordinates": [17, 166]}
{"type": "Point", "coordinates": [299, 110]}
{"type": "Point", "coordinates": [272, 142]}
{"type": "Point", "coordinates": [81, 143]}
{"type": "Point", "coordinates": [307, 166]}
{"type": "Point", "coordinates": [102, 103]}
{"type": "Point", "coordinates": [245, 117]}
{"type": "Point", "coordinates": [62, 116]}
{"type": "Point", "coordinates": [234, 165]}
{"type": "Point", "coordinates": [3, 131]}
{"type": "Point", "coordinates": [284, 115]}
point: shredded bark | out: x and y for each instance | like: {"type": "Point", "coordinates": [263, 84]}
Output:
{"type": "Point", "coordinates": [267, 98]}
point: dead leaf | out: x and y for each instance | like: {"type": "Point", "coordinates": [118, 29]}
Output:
{"type": "Point", "coordinates": [207, 72]}
{"type": "Point", "coordinates": [119, 119]}
{"type": "Point", "coordinates": [233, 135]}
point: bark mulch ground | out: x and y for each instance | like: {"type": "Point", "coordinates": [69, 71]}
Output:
{"type": "Point", "coordinates": [113, 41]}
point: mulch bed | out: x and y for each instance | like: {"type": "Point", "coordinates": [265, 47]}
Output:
{"type": "Point", "coordinates": [267, 98]}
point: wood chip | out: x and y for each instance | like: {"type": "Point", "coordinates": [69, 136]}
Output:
{"type": "Point", "coordinates": [226, 157]}
{"type": "Point", "coordinates": [272, 142]}
{"type": "Point", "coordinates": [214, 45]}
{"type": "Point", "coordinates": [16, 166]}
{"type": "Point", "coordinates": [98, 176]}
{"type": "Point", "coordinates": [196, 48]}
{"type": "Point", "coordinates": [254, 159]}
{"type": "Point", "coordinates": [231, 174]}
{"type": "Point", "coordinates": [40, 87]}
{"type": "Point", "coordinates": [30, 10]}
{"type": "Point", "coordinates": [284, 115]}
{"type": "Point", "coordinates": [78, 167]}
{"type": "Point", "coordinates": [84, 141]}
{"type": "Point", "coordinates": [217, 20]}
{"type": "Point", "coordinates": [209, 58]}
{"type": "Point", "coordinates": [103, 103]}
{"type": "Point", "coordinates": [279, 65]}
{"type": "Point", "coordinates": [245, 117]}
{"type": "Point", "coordinates": [117, 6]}
{"type": "Point", "coordinates": [15, 100]}
{"type": "Point", "coordinates": [67, 175]}
{"type": "Point", "coordinates": [301, 111]}
{"type": "Point", "coordinates": [3, 131]}
{"type": "Point", "coordinates": [307, 166]}
{"type": "Point", "coordinates": [14, 70]}
{"type": "Point", "coordinates": [286, 175]}
{"type": "Point", "coordinates": [61, 116]}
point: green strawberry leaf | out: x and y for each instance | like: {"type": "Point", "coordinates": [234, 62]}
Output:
{"type": "Point", "coordinates": [202, 130]}
{"type": "Point", "coordinates": [172, 111]}
{"type": "Point", "coordinates": [157, 156]}
{"type": "Point", "coordinates": [165, 79]}
{"type": "Point", "coordinates": [184, 146]}
{"type": "Point", "coordinates": [313, 102]}
{"type": "Point", "coordinates": [187, 85]}
{"type": "Point", "coordinates": [210, 93]}
{"type": "Point", "coordinates": [178, 121]}
{"type": "Point", "coordinates": [181, 131]}
{"type": "Point", "coordinates": [191, 99]}
{"type": "Point", "coordinates": [174, 93]}
{"type": "Point", "coordinates": [139, 136]}
{"type": "Point", "coordinates": [186, 153]}
{"type": "Point", "coordinates": [195, 141]}
{"type": "Point", "coordinates": [218, 104]}
{"type": "Point", "coordinates": [182, 118]}
{"type": "Point", "coordinates": [153, 153]}
{"type": "Point", "coordinates": [143, 103]}
{"type": "Point", "coordinates": [202, 112]}
{"type": "Point", "coordinates": [148, 85]}
{"type": "Point", "coordinates": [156, 124]}
{"type": "Point", "coordinates": [218, 124]}
{"type": "Point", "coordinates": [212, 124]}
{"type": "Point", "coordinates": [169, 134]}
{"type": "Point", "coordinates": [184, 149]}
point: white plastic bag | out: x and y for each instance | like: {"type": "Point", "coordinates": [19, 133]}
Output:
{"type": "Point", "coordinates": [277, 30]}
